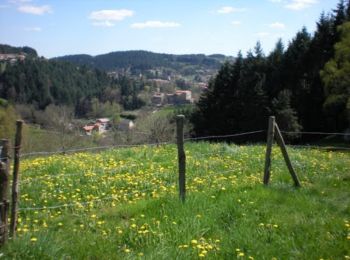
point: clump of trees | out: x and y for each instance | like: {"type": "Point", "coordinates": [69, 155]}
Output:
{"type": "Point", "coordinates": [305, 85]}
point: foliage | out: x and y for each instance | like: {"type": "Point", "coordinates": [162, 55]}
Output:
{"type": "Point", "coordinates": [41, 83]}
{"type": "Point", "coordinates": [336, 77]}
{"type": "Point", "coordinates": [123, 204]}
{"type": "Point", "coordinates": [8, 117]}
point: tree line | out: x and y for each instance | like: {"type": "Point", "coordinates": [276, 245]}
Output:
{"type": "Point", "coordinates": [143, 60]}
{"type": "Point", "coordinates": [306, 85]}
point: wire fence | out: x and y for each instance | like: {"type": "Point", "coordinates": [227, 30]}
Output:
{"type": "Point", "coordinates": [223, 136]}
{"type": "Point", "coordinates": [106, 147]}
{"type": "Point", "coordinates": [314, 133]}
{"type": "Point", "coordinates": [120, 169]}
{"type": "Point", "coordinates": [86, 149]}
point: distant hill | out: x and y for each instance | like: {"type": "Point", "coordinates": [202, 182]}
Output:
{"type": "Point", "coordinates": [145, 60]}
{"type": "Point", "coordinates": [4, 48]}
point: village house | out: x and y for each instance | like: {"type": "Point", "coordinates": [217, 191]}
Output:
{"type": "Point", "coordinates": [180, 97]}
{"type": "Point", "coordinates": [158, 99]}
{"type": "Point", "coordinates": [12, 58]}
{"type": "Point", "coordinates": [100, 126]}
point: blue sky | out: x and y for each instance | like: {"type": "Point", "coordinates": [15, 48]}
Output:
{"type": "Point", "coordinates": [62, 27]}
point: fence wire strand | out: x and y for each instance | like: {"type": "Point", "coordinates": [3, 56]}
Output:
{"type": "Point", "coordinates": [223, 136]}
{"type": "Point", "coordinates": [94, 148]}
{"type": "Point", "coordinates": [315, 133]}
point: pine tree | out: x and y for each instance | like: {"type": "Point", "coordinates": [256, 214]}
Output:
{"type": "Point", "coordinates": [286, 116]}
{"type": "Point", "coordinates": [335, 76]}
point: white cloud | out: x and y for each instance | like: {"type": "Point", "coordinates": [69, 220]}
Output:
{"type": "Point", "coordinates": [36, 10]}
{"type": "Point", "coordinates": [103, 24]}
{"type": "Point", "coordinates": [262, 34]}
{"type": "Point", "coordinates": [275, 1]}
{"type": "Point", "coordinates": [33, 29]}
{"type": "Point", "coordinates": [300, 4]}
{"type": "Point", "coordinates": [230, 9]}
{"type": "Point", "coordinates": [111, 15]}
{"type": "Point", "coordinates": [236, 23]}
{"type": "Point", "coordinates": [277, 25]}
{"type": "Point", "coordinates": [155, 24]}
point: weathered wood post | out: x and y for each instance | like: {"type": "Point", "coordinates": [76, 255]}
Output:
{"type": "Point", "coordinates": [270, 135]}
{"type": "Point", "coordinates": [282, 145]}
{"type": "Point", "coordinates": [15, 192]}
{"type": "Point", "coordinates": [4, 184]}
{"type": "Point", "coordinates": [181, 156]}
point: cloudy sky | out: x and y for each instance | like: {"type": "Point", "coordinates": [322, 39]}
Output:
{"type": "Point", "coordinates": [61, 27]}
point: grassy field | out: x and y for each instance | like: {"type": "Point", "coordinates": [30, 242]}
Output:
{"type": "Point", "coordinates": [123, 204]}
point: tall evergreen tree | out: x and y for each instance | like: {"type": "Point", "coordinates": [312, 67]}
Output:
{"type": "Point", "coordinates": [336, 77]}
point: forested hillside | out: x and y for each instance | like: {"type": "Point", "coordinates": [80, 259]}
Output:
{"type": "Point", "coordinates": [305, 85]}
{"type": "Point", "coordinates": [42, 82]}
{"type": "Point", "coordinates": [4, 48]}
{"type": "Point", "coordinates": [143, 60]}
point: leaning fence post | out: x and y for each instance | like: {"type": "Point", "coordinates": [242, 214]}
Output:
{"type": "Point", "coordinates": [270, 135]}
{"type": "Point", "coordinates": [4, 183]}
{"type": "Point", "coordinates": [282, 145]}
{"type": "Point", "coordinates": [14, 205]}
{"type": "Point", "coordinates": [181, 156]}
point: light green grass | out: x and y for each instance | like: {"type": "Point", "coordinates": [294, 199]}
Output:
{"type": "Point", "coordinates": [228, 213]}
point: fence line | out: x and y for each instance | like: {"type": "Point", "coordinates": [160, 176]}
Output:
{"type": "Point", "coordinates": [223, 136]}
{"type": "Point", "coordinates": [315, 133]}
{"type": "Point", "coordinates": [320, 147]}
{"type": "Point", "coordinates": [166, 143]}
{"type": "Point", "coordinates": [94, 148]}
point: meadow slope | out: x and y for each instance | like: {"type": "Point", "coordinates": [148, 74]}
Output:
{"type": "Point", "coordinates": [123, 204]}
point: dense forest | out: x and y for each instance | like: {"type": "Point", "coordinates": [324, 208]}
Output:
{"type": "Point", "coordinates": [144, 60]}
{"type": "Point", "coordinates": [305, 85]}
{"type": "Point", "coordinates": [42, 82]}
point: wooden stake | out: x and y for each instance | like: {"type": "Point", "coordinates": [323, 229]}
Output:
{"type": "Point", "coordinates": [15, 190]}
{"type": "Point", "coordinates": [270, 135]}
{"type": "Point", "coordinates": [4, 184]}
{"type": "Point", "coordinates": [181, 156]}
{"type": "Point", "coordinates": [282, 145]}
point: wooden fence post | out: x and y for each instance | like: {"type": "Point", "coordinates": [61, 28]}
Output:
{"type": "Point", "coordinates": [282, 145]}
{"type": "Point", "coordinates": [270, 135]}
{"type": "Point", "coordinates": [4, 184]}
{"type": "Point", "coordinates": [181, 156]}
{"type": "Point", "coordinates": [15, 191]}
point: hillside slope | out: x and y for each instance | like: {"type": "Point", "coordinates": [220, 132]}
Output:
{"type": "Point", "coordinates": [142, 60]}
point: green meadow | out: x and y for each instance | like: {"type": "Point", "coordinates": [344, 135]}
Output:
{"type": "Point", "coordinates": [124, 204]}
